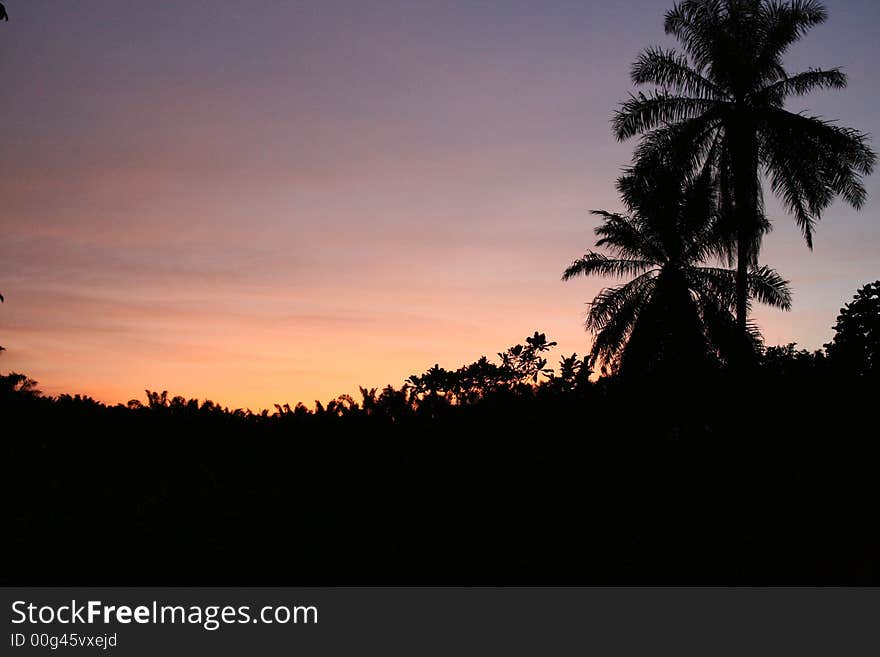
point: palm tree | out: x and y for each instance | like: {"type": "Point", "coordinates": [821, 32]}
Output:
{"type": "Point", "coordinates": [720, 105]}
{"type": "Point", "coordinates": [676, 310]}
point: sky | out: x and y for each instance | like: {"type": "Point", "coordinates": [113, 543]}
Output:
{"type": "Point", "coordinates": [273, 201]}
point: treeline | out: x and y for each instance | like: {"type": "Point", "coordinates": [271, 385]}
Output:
{"type": "Point", "coordinates": [523, 370]}
{"type": "Point", "coordinates": [495, 473]}
{"type": "Point", "coordinates": [522, 373]}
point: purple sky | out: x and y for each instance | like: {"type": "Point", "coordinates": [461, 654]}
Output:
{"type": "Point", "coordinates": [274, 200]}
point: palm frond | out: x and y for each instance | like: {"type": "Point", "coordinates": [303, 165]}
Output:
{"type": "Point", "coordinates": [699, 207]}
{"type": "Point", "coordinates": [601, 265]}
{"type": "Point", "coordinates": [611, 301]}
{"type": "Point", "coordinates": [783, 23]}
{"type": "Point", "coordinates": [643, 112]}
{"type": "Point", "coordinates": [670, 70]}
{"type": "Point", "coordinates": [612, 315]}
{"type": "Point", "coordinates": [801, 84]}
{"type": "Point", "coordinates": [768, 287]}
{"type": "Point", "coordinates": [685, 146]}
{"type": "Point", "coordinates": [696, 25]}
{"type": "Point", "coordinates": [627, 237]}
{"type": "Point", "coordinates": [715, 284]}
{"type": "Point", "coordinates": [810, 161]}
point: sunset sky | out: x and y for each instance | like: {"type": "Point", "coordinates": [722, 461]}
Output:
{"type": "Point", "coordinates": [274, 200]}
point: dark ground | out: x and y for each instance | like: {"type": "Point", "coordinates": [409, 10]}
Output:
{"type": "Point", "coordinates": [698, 482]}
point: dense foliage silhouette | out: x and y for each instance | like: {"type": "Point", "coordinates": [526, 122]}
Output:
{"type": "Point", "coordinates": [510, 472]}
{"type": "Point", "coordinates": [856, 343]}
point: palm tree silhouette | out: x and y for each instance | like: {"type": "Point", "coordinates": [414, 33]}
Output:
{"type": "Point", "coordinates": [677, 311]}
{"type": "Point", "coordinates": [721, 106]}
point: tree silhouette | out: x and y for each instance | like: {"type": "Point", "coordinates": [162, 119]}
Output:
{"type": "Point", "coordinates": [15, 384]}
{"type": "Point", "coordinates": [524, 362]}
{"type": "Point", "coordinates": [521, 367]}
{"type": "Point", "coordinates": [676, 310]}
{"type": "Point", "coordinates": [720, 105]}
{"type": "Point", "coordinates": [856, 344]}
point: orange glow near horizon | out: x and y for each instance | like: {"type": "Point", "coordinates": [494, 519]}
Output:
{"type": "Point", "coordinates": [319, 197]}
